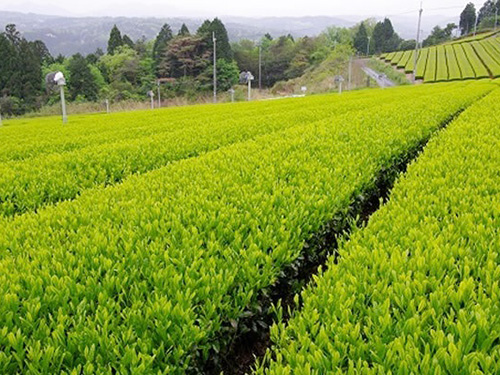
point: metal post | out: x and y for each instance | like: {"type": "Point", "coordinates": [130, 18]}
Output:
{"type": "Point", "coordinates": [416, 44]}
{"type": "Point", "coordinates": [107, 106]}
{"type": "Point", "coordinates": [340, 87]}
{"type": "Point", "coordinates": [475, 25]}
{"type": "Point", "coordinates": [496, 16]}
{"type": "Point", "coordinates": [368, 47]}
{"type": "Point", "coordinates": [63, 105]}
{"type": "Point", "coordinates": [249, 90]}
{"type": "Point", "coordinates": [260, 67]}
{"type": "Point", "coordinates": [152, 101]}
{"type": "Point", "coordinates": [215, 66]}
{"type": "Point", "coordinates": [159, 95]}
{"type": "Point", "coordinates": [232, 96]}
{"type": "Point", "coordinates": [350, 74]}
{"type": "Point", "coordinates": [1, 124]}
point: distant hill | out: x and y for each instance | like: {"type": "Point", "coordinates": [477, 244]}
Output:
{"type": "Point", "coordinates": [68, 35]}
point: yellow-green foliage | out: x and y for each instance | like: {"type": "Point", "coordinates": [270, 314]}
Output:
{"type": "Point", "coordinates": [471, 58]}
{"type": "Point", "coordinates": [138, 278]}
{"type": "Point", "coordinates": [46, 162]}
{"type": "Point", "coordinates": [416, 291]}
{"type": "Point", "coordinates": [453, 67]}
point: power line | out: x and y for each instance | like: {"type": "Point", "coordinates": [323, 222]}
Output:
{"type": "Point", "coordinates": [431, 9]}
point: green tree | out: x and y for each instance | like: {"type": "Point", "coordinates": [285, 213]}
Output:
{"type": "Point", "coordinates": [488, 15]}
{"type": "Point", "coordinates": [385, 39]}
{"type": "Point", "coordinates": [183, 31]}
{"type": "Point", "coordinates": [43, 52]}
{"type": "Point", "coordinates": [8, 60]}
{"type": "Point", "coordinates": [81, 83]}
{"type": "Point", "coordinates": [407, 45]}
{"type": "Point", "coordinates": [276, 60]}
{"type": "Point", "coordinates": [161, 42]}
{"type": "Point", "coordinates": [439, 35]}
{"type": "Point", "coordinates": [361, 39]}
{"type": "Point", "coordinates": [123, 70]}
{"type": "Point", "coordinates": [127, 41]}
{"type": "Point", "coordinates": [227, 74]}
{"type": "Point", "coordinates": [185, 56]}
{"type": "Point", "coordinates": [13, 35]}
{"type": "Point", "coordinates": [305, 56]}
{"type": "Point", "coordinates": [337, 35]}
{"type": "Point", "coordinates": [246, 55]}
{"type": "Point", "coordinates": [21, 68]}
{"type": "Point", "coordinates": [217, 28]}
{"type": "Point", "coordinates": [115, 40]}
{"type": "Point", "coordinates": [144, 47]}
{"type": "Point", "coordinates": [488, 10]}
{"type": "Point", "coordinates": [467, 19]}
{"type": "Point", "coordinates": [205, 28]}
{"type": "Point", "coordinates": [93, 58]}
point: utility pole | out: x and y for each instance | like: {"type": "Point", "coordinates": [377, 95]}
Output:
{"type": "Point", "coordinates": [249, 77]}
{"type": "Point", "coordinates": [260, 66]}
{"type": "Point", "coordinates": [416, 44]}
{"type": "Point", "coordinates": [214, 39]}
{"type": "Point", "coordinates": [159, 95]}
{"type": "Point", "coordinates": [368, 47]}
{"type": "Point", "coordinates": [63, 105]}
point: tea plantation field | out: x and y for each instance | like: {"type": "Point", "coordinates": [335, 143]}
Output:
{"type": "Point", "coordinates": [137, 243]}
{"type": "Point", "coordinates": [471, 58]}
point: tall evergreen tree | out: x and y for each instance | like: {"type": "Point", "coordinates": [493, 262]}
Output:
{"type": "Point", "coordinates": [223, 46]}
{"type": "Point", "coordinates": [467, 19]}
{"type": "Point", "coordinates": [385, 39]}
{"type": "Point", "coordinates": [8, 60]}
{"type": "Point", "coordinates": [183, 31]}
{"type": "Point", "coordinates": [127, 41]}
{"type": "Point", "coordinates": [43, 52]}
{"type": "Point", "coordinates": [205, 28]}
{"type": "Point", "coordinates": [20, 67]}
{"type": "Point", "coordinates": [164, 37]}
{"type": "Point", "coordinates": [488, 9]}
{"type": "Point", "coordinates": [217, 28]}
{"type": "Point", "coordinates": [361, 39]}
{"type": "Point", "coordinates": [115, 40]}
{"type": "Point", "coordinates": [30, 67]}
{"type": "Point", "coordinates": [13, 35]}
{"type": "Point", "coordinates": [81, 82]}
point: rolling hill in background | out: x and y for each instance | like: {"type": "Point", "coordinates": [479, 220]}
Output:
{"type": "Point", "coordinates": [68, 35]}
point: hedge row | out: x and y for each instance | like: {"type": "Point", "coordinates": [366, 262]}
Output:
{"type": "Point", "coordinates": [417, 291]}
{"type": "Point", "coordinates": [148, 277]}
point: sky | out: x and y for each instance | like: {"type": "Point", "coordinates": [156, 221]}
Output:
{"type": "Point", "coordinates": [252, 8]}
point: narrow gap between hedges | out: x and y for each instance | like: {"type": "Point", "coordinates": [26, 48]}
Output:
{"type": "Point", "coordinates": [250, 336]}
